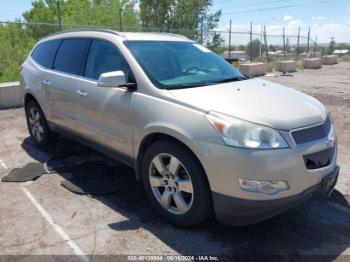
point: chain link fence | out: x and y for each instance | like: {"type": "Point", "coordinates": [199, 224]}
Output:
{"type": "Point", "coordinates": [234, 46]}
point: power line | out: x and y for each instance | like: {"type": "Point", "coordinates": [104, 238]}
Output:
{"type": "Point", "coordinates": [278, 7]}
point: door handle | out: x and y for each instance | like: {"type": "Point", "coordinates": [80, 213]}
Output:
{"type": "Point", "coordinates": [46, 82]}
{"type": "Point", "coordinates": [81, 92]}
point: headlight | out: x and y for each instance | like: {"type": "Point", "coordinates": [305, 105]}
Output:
{"type": "Point", "coordinates": [240, 133]}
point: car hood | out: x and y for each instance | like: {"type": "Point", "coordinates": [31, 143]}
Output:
{"type": "Point", "coordinates": [258, 101]}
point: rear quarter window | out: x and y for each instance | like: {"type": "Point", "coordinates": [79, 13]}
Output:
{"type": "Point", "coordinates": [44, 52]}
{"type": "Point", "coordinates": [71, 56]}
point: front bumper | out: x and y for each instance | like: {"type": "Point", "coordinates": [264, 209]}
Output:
{"type": "Point", "coordinates": [235, 211]}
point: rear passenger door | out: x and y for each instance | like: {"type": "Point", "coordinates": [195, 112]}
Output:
{"type": "Point", "coordinates": [44, 54]}
{"type": "Point", "coordinates": [65, 80]}
{"type": "Point", "coordinates": [106, 113]}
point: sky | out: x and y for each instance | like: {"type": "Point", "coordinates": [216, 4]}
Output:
{"type": "Point", "coordinates": [326, 18]}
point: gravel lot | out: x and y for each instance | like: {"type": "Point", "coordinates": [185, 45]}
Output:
{"type": "Point", "coordinates": [44, 218]}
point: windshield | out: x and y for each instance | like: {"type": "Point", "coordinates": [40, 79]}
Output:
{"type": "Point", "coordinates": [171, 65]}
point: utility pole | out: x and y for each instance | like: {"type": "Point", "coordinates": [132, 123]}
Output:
{"type": "Point", "coordinates": [315, 46]}
{"type": "Point", "coordinates": [251, 42]}
{"type": "Point", "coordinates": [298, 43]}
{"type": "Point", "coordinates": [229, 41]}
{"type": "Point", "coordinates": [261, 39]}
{"type": "Point", "coordinates": [266, 49]}
{"type": "Point", "coordinates": [284, 44]}
{"type": "Point", "coordinates": [120, 20]}
{"type": "Point", "coordinates": [59, 15]}
{"type": "Point", "coordinates": [308, 43]}
{"type": "Point", "coordinates": [332, 44]}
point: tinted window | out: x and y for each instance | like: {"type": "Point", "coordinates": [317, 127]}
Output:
{"type": "Point", "coordinates": [44, 53]}
{"type": "Point", "coordinates": [71, 55]}
{"type": "Point", "coordinates": [103, 57]}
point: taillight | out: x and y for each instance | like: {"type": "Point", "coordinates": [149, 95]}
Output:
{"type": "Point", "coordinates": [20, 68]}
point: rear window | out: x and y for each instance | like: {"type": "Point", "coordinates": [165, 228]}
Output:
{"type": "Point", "coordinates": [71, 56]}
{"type": "Point", "coordinates": [44, 53]}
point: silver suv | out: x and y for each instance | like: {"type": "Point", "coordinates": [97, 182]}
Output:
{"type": "Point", "coordinates": [202, 137]}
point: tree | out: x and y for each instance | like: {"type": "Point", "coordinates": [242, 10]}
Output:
{"type": "Point", "coordinates": [17, 40]}
{"type": "Point", "coordinates": [81, 13]}
{"type": "Point", "coordinates": [255, 48]}
{"type": "Point", "coordinates": [189, 17]}
{"type": "Point", "coordinates": [216, 43]}
{"type": "Point", "coordinates": [15, 43]}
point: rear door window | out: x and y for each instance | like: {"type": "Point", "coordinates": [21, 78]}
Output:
{"type": "Point", "coordinates": [104, 57]}
{"type": "Point", "coordinates": [71, 56]}
{"type": "Point", "coordinates": [44, 53]}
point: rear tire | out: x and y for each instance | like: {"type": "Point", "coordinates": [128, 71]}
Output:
{"type": "Point", "coordinates": [37, 125]}
{"type": "Point", "coordinates": [176, 184]}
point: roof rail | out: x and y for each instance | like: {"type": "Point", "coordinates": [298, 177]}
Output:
{"type": "Point", "coordinates": [85, 29]}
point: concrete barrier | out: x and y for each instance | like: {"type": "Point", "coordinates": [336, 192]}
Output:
{"type": "Point", "coordinates": [253, 69]}
{"type": "Point", "coordinates": [11, 95]}
{"type": "Point", "coordinates": [312, 63]}
{"type": "Point", "coordinates": [286, 66]}
{"type": "Point", "coordinates": [329, 60]}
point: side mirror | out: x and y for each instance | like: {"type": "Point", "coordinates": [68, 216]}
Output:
{"type": "Point", "coordinates": [115, 79]}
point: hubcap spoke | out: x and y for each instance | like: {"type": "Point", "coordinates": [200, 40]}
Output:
{"type": "Point", "coordinates": [166, 199]}
{"type": "Point", "coordinates": [185, 185]}
{"type": "Point", "coordinates": [31, 120]}
{"type": "Point", "coordinates": [36, 133]}
{"type": "Point", "coordinates": [158, 163]}
{"type": "Point", "coordinates": [40, 129]}
{"type": "Point", "coordinates": [37, 116]}
{"type": "Point", "coordinates": [174, 165]}
{"type": "Point", "coordinates": [180, 202]}
{"type": "Point", "coordinates": [156, 181]}
{"type": "Point", "coordinates": [32, 113]}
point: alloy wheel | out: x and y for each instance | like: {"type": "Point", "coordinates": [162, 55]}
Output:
{"type": "Point", "coordinates": [35, 123]}
{"type": "Point", "coordinates": [171, 184]}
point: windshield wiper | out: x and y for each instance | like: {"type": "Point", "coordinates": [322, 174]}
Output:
{"type": "Point", "coordinates": [189, 85]}
{"type": "Point", "coordinates": [232, 79]}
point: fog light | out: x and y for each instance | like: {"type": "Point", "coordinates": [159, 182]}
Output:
{"type": "Point", "coordinates": [263, 186]}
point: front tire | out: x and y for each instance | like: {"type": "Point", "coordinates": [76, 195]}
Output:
{"type": "Point", "coordinates": [176, 184]}
{"type": "Point", "coordinates": [37, 125]}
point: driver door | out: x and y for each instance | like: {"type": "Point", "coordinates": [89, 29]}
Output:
{"type": "Point", "coordinates": [105, 114]}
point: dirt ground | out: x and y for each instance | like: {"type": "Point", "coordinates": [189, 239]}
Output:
{"type": "Point", "coordinates": [44, 218]}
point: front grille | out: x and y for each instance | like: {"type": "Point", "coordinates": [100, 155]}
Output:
{"type": "Point", "coordinates": [319, 159]}
{"type": "Point", "coordinates": [312, 134]}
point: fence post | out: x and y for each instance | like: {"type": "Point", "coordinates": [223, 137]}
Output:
{"type": "Point", "coordinates": [265, 40]}
{"type": "Point", "coordinates": [315, 46]}
{"type": "Point", "coordinates": [308, 43]}
{"type": "Point", "coordinates": [284, 44]}
{"type": "Point", "coordinates": [261, 41]}
{"type": "Point", "coordinates": [298, 43]}
{"type": "Point", "coordinates": [229, 41]}
{"type": "Point", "coordinates": [59, 15]}
{"type": "Point", "coordinates": [120, 20]}
{"type": "Point", "coordinates": [251, 42]}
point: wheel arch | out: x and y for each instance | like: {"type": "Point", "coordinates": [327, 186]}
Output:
{"type": "Point", "coordinates": [30, 97]}
{"type": "Point", "coordinates": [153, 137]}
